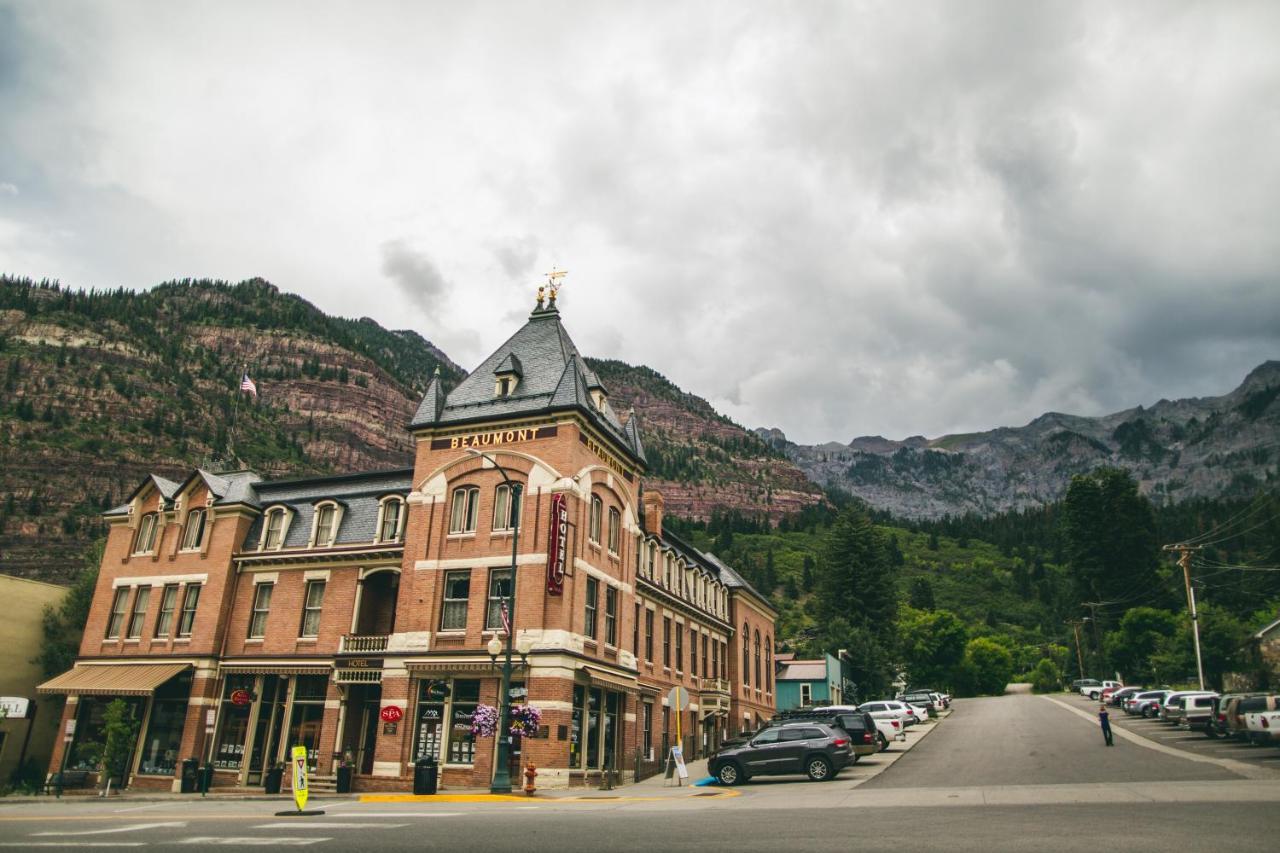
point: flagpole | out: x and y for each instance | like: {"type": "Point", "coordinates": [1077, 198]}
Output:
{"type": "Point", "coordinates": [235, 412]}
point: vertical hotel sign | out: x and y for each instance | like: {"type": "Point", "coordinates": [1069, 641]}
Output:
{"type": "Point", "coordinates": [558, 544]}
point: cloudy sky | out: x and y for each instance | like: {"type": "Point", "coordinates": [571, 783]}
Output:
{"type": "Point", "coordinates": [836, 218]}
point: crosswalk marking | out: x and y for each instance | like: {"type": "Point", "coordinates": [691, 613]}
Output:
{"type": "Point", "coordinates": [29, 844]}
{"type": "Point", "coordinates": [320, 824]}
{"type": "Point", "coordinates": [135, 827]}
{"type": "Point", "coordinates": [250, 841]}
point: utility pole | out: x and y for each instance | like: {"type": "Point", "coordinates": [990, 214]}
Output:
{"type": "Point", "coordinates": [1075, 627]}
{"type": "Point", "coordinates": [1184, 553]}
{"type": "Point", "coordinates": [1093, 619]}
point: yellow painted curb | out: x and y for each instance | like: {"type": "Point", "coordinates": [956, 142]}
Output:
{"type": "Point", "coordinates": [512, 798]}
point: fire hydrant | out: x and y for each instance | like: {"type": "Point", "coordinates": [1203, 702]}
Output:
{"type": "Point", "coordinates": [530, 773]}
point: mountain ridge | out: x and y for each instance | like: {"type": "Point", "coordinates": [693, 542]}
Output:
{"type": "Point", "coordinates": [1213, 447]}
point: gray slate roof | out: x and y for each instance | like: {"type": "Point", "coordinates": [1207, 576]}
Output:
{"type": "Point", "coordinates": [359, 495]}
{"type": "Point", "coordinates": [728, 576]}
{"type": "Point", "coordinates": [732, 579]}
{"type": "Point", "coordinates": [553, 377]}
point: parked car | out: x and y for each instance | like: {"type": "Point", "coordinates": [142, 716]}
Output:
{"type": "Point", "coordinates": [1145, 704]}
{"type": "Point", "coordinates": [1263, 726]}
{"type": "Point", "coordinates": [1117, 697]}
{"type": "Point", "coordinates": [1239, 711]}
{"type": "Point", "coordinates": [1198, 711]}
{"type": "Point", "coordinates": [891, 709]}
{"type": "Point", "coordinates": [817, 749]}
{"type": "Point", "coordinates": [1079, 685]}
{"type": "Point", "coordinates": [868, 734]}
{"type": "Point", "coordinates": [1094, 691]}
{"type": "Point", "coordinates": [923, 699]}
{"type": "Point", "coordinates": [1171, 710]}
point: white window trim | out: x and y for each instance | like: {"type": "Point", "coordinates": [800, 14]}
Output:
{"type": "Point", "coordinates": [284, 526]}
{"type": "Point", "coordinates": [382, 517]}
{"type": "Point", "coordinates": [186, 522]}
{"type": "Point", "coordinates": [453, 501]}
{"type": "Point", "coordinates": [155, 533]}
{"type": "Point", "coordinates": [313, 542]}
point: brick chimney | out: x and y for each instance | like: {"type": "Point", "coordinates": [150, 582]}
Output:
{"type": "Point", "coordinates": [653, 506]}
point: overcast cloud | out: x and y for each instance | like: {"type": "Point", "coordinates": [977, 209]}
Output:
{"type": "Point", "coordinates": [839, 219]}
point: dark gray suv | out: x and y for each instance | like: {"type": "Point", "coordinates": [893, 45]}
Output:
{"type": "Point", "coordinates": [816, 749]}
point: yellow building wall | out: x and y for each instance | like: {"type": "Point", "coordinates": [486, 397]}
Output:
{"type": "Point", "coordinates": [20, 641]}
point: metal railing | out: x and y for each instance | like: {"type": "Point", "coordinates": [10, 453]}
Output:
{"type": "Point", "coordinates": [357, 676]}
{"type": "Point", "coordinates": [354, 644]}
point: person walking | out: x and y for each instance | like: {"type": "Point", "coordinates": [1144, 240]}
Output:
{"type": "Point", "coordinates": [1105, 720]}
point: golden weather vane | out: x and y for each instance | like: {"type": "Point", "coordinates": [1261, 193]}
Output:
{"type": "Point", "coordinates": [553, 283]}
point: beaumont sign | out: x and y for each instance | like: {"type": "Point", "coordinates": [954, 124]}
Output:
{"type": "Point", "coordinates": [490, 438]}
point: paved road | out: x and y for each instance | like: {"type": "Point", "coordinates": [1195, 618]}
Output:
{"type": "Point", "coordinates": [1042, 780]}
{"type": "Point", "coordinates": [1026, 740]}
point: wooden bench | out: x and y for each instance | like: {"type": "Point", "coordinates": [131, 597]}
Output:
{"type": "Point", "coordinates": [69, 779]}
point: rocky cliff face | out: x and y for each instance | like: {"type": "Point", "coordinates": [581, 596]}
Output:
{"type": "Point", "coordinates": [1204, 447]}
{"type": "Point", "coordinates": [701, 461]}
{"type": "Point", "coordinates": [103, 388]}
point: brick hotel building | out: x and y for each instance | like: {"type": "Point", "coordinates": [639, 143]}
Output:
{"type": "Point", "coordinates": [239, 616]}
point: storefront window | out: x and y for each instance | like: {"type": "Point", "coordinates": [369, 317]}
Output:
{"type": "Point", "coordinates": [233, 725]}
{"type": "Point", "coordinates": [266, 739]}
{"type": "Point", "coordinates": [462, 744]}
{"type": "Point", "coordinates": [86, 750]}
{"type": "Point", "coordinates": [164, 731]}
{"type": "Point", "coordinates": [308, 715]}
{"type": "Point", "coordinates": [612, 712]}
{"type": "Point", "coordinates": [575, 728]}
{"type": "Point", "coordinates": [593, 729]}
{"type": "Point", "coordinates": [430, 721]}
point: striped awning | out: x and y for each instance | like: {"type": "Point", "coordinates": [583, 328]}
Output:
{"type": "Point", "coordinates": [601, 678]}
{"type": "Point", "coordinates": [446, 667]}
{"type": "Point", "coordinates": [274, 669]}
{"type": "Point", "coordinates": [126, 679]}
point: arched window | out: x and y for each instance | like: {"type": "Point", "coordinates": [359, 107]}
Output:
{"type": "Point", "coordinates": [759, 683]}
{"type": "Point", "coordinates": [768, 664]}
{"type": "Point", "coordinates": [653, 554]}
{"type": "Point", "coordinates": [273, 530]}
{"type": "Point", "coordinates": [746, 654]}
{"type": "Point", "coordinates": [597, 511]}
{"type": "Point", "coordinates": [194, 534]}
{"type": "Point", "coordinates": [324, 529]}
{"type": "Point", "coordinates": [146, 540]}
{"type": "Point", "coordinates": [615, 530]}
{"type": "Point", "coordinates": [392, 520]}
{"type": "Point", "coordinates": [506, 506]}
{"type": "Point", "coordinates": [466, 506]}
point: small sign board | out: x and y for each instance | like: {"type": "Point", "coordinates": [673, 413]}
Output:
{"type": "Point", "coordinates": [391, 714]}
{"type": "Point", "coordinates": [299, 762]}
{"type": "Point", "coordinates": [71, 727]}
{"type": "Point", "coordinates": [209, 716]}
{"type": "Point", "coordinates": [677, 755]}
{"type": "Point", "coordinates": [241, 697]}
{"type": "Point", "coordinates": [14, 707]}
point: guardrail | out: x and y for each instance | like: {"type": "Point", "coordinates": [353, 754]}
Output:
{"type": "Point", "coordinates": [354, 644]}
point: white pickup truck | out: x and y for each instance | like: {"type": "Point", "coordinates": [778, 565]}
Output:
{"type": "Point", "coordinates": [1093, 691]}
{"type": "Point", "coordinates": [1262, 726]}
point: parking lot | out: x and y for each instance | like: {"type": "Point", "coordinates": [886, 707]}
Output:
{"type": "Point", "coordinates": [1192, 742]}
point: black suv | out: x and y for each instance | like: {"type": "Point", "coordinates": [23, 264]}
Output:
{"type": "Point", "coordinates": [816, 749]}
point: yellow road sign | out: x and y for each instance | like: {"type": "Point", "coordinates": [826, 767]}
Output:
{"type": "Point", "coordinates": [300, 776]}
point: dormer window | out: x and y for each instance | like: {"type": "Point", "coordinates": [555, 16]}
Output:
{"type": "Point", "coordinates": [273, 529]}
{"type": "Point", "coordinates": [507, 375]}
{"type": "Point", "coordinates": [392, 520]}
{"type": "Point", "coordinates": [194, 532]}
{"type": "Point", "coordinates": [326, 525]}
{"type": "Point", "coordinates": [146, 540]}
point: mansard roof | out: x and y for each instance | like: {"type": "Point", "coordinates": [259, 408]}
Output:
{"type": "Point", "coordinates": [358, 494]}
{"type": "Point", "coordinates": [734, 580]}
{"type": "Point", "coordinates": [553, 377]}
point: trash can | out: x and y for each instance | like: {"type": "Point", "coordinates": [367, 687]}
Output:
{"type": "Point", "coordinates": [271, 779]}
{"type": "Point", "coordinates": [344, 780]}
{"type": "Point", "coordinates": [190, 776]}
{"type": "Point", "coordinates": [426, 775]}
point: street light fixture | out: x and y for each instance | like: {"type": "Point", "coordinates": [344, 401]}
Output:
{"type": "Point", "coordinates": [501, 783]}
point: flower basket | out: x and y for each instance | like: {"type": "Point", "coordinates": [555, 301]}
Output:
{"type": "Point", "coordinates": [484, 721]}
{"type": "Point", "coordinates": [525, 720]}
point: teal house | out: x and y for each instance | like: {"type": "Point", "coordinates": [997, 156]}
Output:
{"type": "Point", "coordinates": [822, 681]}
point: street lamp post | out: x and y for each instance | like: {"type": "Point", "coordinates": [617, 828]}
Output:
{"type": "Point", "coordinates": [501, 775]}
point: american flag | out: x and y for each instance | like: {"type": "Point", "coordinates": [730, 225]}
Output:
{"type": "Point", "coordinates": [247, 384]}
{"type": "Point", "coordinates": [506, 619]}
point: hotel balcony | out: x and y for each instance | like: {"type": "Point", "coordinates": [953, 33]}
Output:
{"type": "Point", "coordinates": [356, 644]}
{"type": "Point", "coordinates": [714, 696]}
{"type": "Point", "coordinates": [713, 685]}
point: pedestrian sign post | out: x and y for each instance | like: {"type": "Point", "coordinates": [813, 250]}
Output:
{"type": "Point", "coordinates": [300, 776]}
{"type": "Point", "coordinates": [298, 771]}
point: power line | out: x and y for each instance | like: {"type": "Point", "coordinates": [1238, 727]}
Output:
{"type": "Point", "coordinates": [1260, 502]}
